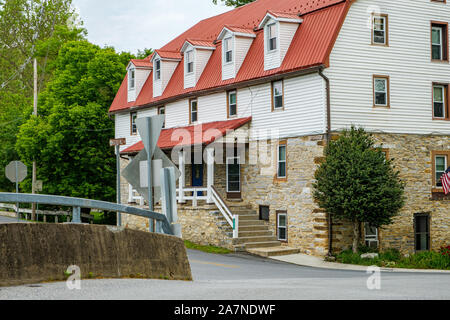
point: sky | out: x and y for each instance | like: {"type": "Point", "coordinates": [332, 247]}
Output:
{"type": "Point", "coordinates": [138, 24]}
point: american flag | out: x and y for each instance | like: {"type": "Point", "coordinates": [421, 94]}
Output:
{"type": "Point", "coordinates": [446, 181]}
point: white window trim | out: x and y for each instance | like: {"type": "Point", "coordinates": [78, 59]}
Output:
{"type": "Point", "coordinates": [229, 103]}
{"type": "Point", "coordinates": [443, 101]}
{"type": "Point", "coordinates": [157, 70]}
{"type": "Point", "coordinates": [240, 177]}
{"type": "Point", "coordinates": [371, 237]}
{"type": "Point", "coordinates": [191, 111]}
{"type": "Point", "coordinates": [441, 44]}
{"type": "Point", "coordinates": [374, 29]}
{"type": "Point", "coordinates": [186, 70]}
{"type": "Point", "coordinates": [132, 80]}
{"type": "Point", "coordinates": [268, 50]}
{"type": "Point", "coordinates": [131, 123]}
{"type": "Point", "coordinates": [284, 227]}
{"type": "Point", "coordinates": [386, 91]}
{"type": "Point", "coordinates": [225, 62]}
{"type": "Point", "coordinates": [435, 169]}
{"type": "Point", "coordinates": [282, 161]}
{"type": "Point", "coordinates": [275, 96]}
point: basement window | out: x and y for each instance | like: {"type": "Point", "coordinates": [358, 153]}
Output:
{"type": "Point", "coordinates": [422, 232]}
{"type": "Point", "coordinates": [371, 236]}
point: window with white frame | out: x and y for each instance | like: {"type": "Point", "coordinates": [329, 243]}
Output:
{"type": "Point", "coordinates": [162, 111]}
{"type": "Point", "coordinates": [282, 226]}
{"type": "Point", "coordinates": [228, 50]}
{"type": "Point", "coordinates": [441, 165]}
{"type": "Point", "coordinates": [232, 103]}
{"type": "Point", "coordinates": [272, 36]}
{"type": "Point", "coordinates": [437, 43]}
{"type": "Point", "coordinates": [380, 28]}
{"type": "Point", "coordinates": [157, 69]}
{"type": "Point", "coordinates": [282, 161]}
{"type": "Point", "coordinates": [133, 117]}
{"type": "Point", "coordinates": [131, 79]}
{"type": "Point", "coordinates": [381, 91]}
{"type": "Point", "coordinates": [189, 61]}
{"type": "Point", "coordinates": [371, 236]}
{"type": "Point", "coordinates": [439, 101]}
{"type": "Point", "coordinates": [193, 105]}
{"type": "Point", "coordinates": [277, 95]}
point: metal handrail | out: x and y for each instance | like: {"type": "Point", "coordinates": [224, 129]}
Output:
{"type": "Point", "coordinates": [85, 203]}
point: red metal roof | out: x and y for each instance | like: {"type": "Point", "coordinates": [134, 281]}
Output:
{"type": "Point", "coordinates": [201, 43]}
{"type": "Point", "coordinates": [240, 29]}
{"type": "Point", "coordinates": [145, 63]}
{"type": "Point", "coordinates": [169, 54]}
{"type": "Point", "coordinates": [288, 15]}
{"type": "Point", "coordinates": [310, 47]}
{"type": "Point", "coordinates": [204, 134]}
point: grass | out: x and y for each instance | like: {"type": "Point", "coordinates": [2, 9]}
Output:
{"type": "Point", "coordinates": [207, 249]}
{"type": "Point", "coordinates": [394, 259]}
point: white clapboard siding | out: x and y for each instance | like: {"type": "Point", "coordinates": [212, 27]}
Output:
{"type": "Point", "coordinates": [287, 33]}
{"type": "Point", "coordinates": [201, 60]}
{"type": "Point", "coordinates": [212, 107]}
{"type": "Point", "coordinates": [406, 60]}
{"type": "Point", "coordinates": [241, 47]}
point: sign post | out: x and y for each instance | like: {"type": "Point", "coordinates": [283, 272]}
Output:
{"type": "Point", "coordinates": [16, 172]}
{"type": "Point", "coordinates": [117, 143]}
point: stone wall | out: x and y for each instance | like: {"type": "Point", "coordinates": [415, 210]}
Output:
{"type": "Point", "coordinates": [307, 226]}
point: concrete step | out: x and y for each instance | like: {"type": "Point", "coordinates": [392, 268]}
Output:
{"type": "Point", "coordinates": [244, 212]}
{"type": "Point", "coordinates": [248, 217]}
{"type": "Point", "coordinates": [259, 227]}
{"type": "Point", "coordinates": [257, 239]}
{"type": "Point", "coordinates": [273, 251]}
{"type": "Point", "coordinates": [264, 244]}
{"type": "Point", "coordinates": [255, 233]}
{"type": "Point", "coordinates": [251, 223]}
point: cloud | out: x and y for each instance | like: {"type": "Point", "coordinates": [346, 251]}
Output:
{"type": "Point", "coordinates": [139, 24]}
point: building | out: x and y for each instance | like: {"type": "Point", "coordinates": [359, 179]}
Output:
{"type": "Point", "coordinates": [268, 83]}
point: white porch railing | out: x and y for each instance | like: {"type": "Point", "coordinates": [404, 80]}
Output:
{"type": "Point", "coordinates": [233, 220]}
{"type": "Point", "coordinates": [192, 195]}
{"type": "Point", "coordinates": [134, 196]}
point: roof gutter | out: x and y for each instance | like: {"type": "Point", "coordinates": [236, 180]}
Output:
{"type": "Point", "coordinates": [232, 86]}
{"type": "Point", "coordinates": [328, 138]}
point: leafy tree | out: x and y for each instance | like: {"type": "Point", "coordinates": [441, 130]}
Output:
{"type": "Point", "coordinates": [357, 183]}
{"type": "Point", "coordinates": [234, 3]}
{"type": "Point", "coordinates": [70, 138]}
{"type": "Point", "coordinates": [28, 29]}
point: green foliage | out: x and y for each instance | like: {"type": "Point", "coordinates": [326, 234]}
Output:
{"type": "Point", "coordinates": [357, 183]}
{"type": "Point", "coordinates": [208, 249]}
{"type": "Point", "coordinates": [70, 139]}
{"type": "Point", "coordinates": [392, 258]}
{"type": "Point", "coordinates": [234, 3]}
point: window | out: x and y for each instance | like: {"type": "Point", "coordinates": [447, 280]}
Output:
{"type": "Point", "coordinates": [264, 213]}
{"type": "Point", "coordinates": [440, 101]}
{"type": "Point", "coordinates": [282, 226]}
{"type": "Point", "coordinates": [381, 91]}
{"type": "Point", "coordinates": [439, 41]}
{"type": "Point", "coordinates": [272, 37]}
{"type": "Point", "coordinates": [232, 104]}
{"type": "Point", "coordinates": [441, 165]}
{"type": "Point", "coordinates": [132, 79]}
{"type": "Point", "coordinates": [422, 232]}
{"type": "Point", "coordinates": [133, 117]}
{"type": "Point", "coordinates": [157, 69]}
{"type": "Point", "coordinates": [228, 50]}
{"type": "Point", "coordinates": [162, 111]}
{"type": "Point", "coordinates": [371, 236]}
{"type": "Point", "coordinates": [233, 175]}
{"type": "Point", "coordinates": [380, 30]}
{"type": "Point", "coordinates": [193, 111]}
{"type": "Point", "coordinates": [282, 161]}
{"type": "Point", "coordinates": [277, 95]}
{"type": "Point", "coordinates": [190, 61]}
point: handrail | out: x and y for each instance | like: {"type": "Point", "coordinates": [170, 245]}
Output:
{"type": "Point", "coordinates": [85, 203]}
{"type": "Point", "coordinates": [223, 208]}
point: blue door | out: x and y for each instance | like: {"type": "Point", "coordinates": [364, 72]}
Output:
{"type": "Point", "coordinates": [197, 177]}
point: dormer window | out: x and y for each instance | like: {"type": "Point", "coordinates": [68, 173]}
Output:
{"type": "Point", "coordinates": [158, 69]}
{"type": "Point", "coordinates": [228, 50]}
{"type": "Point", "coordinates": [190, 61]}
{"type": "Point", "coordinates": [132, 79]}
{"type": "Point", "coordinates": [272, 37]}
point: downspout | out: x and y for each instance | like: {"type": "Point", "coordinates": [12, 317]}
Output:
{"type": "Point", "coordinates": [328, 139]}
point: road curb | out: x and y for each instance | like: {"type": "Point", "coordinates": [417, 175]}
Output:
{"type": "Point", "coordinates": [314, 262]}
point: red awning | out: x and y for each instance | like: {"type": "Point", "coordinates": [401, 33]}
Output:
{"type": "Point", "coordinates": [204, 134]}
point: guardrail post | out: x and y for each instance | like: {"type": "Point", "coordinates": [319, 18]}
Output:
{"type": "Point", "coordinates": [76, 218]}
{"type": "Point", "coordinates": [235, 226]}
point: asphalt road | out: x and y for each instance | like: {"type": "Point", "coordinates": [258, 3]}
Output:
{"type": "Point", "coordinates": [243, 277]}
{"type": "Point", "coordinates": [4, 219]}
